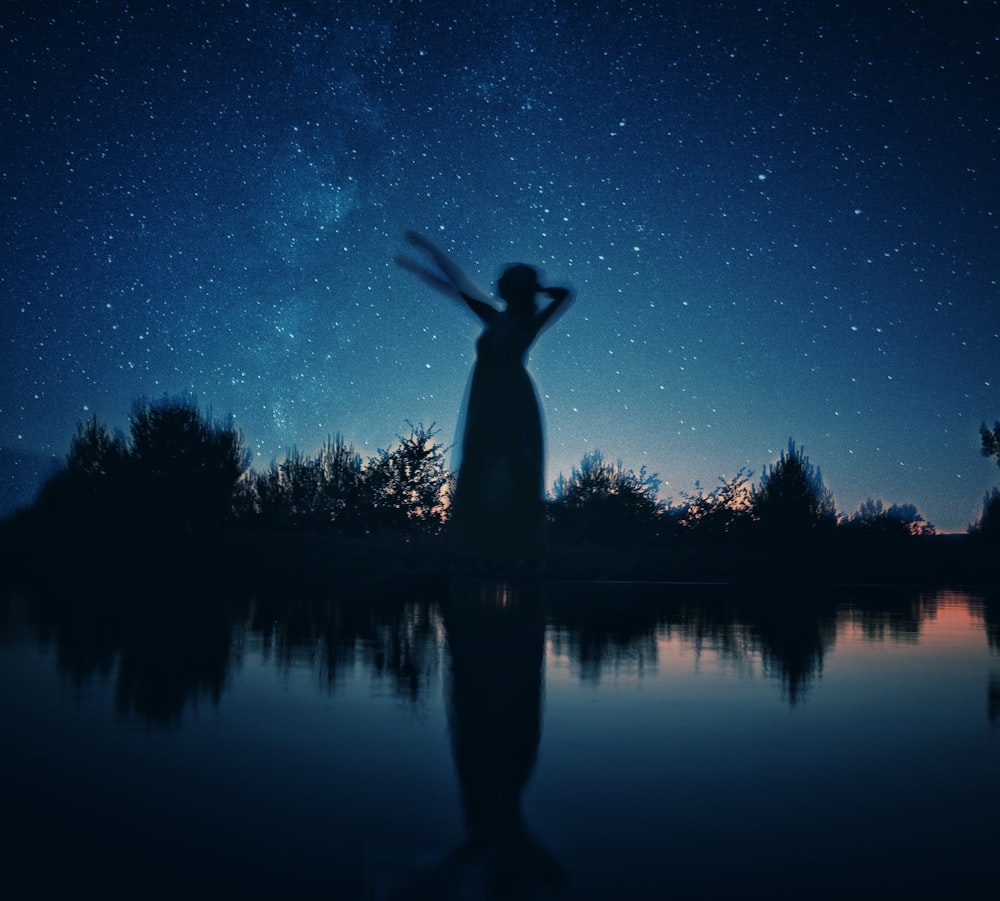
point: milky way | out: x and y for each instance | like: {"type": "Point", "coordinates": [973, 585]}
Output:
{"type": "Point", "coordinates": [780, 220]}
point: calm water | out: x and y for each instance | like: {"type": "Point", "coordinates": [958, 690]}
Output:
{"type": "Point", "coordinates": [484, 740]}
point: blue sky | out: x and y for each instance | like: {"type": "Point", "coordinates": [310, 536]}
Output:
{"type": "Point", "coordinates": [780, 221]}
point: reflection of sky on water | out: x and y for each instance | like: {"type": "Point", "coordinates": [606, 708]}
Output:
{"type": "Point", "coordinates": [657, 750]}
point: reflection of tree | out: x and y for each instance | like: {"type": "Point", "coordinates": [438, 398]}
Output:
{"type": "Point", "coordinates": [166, 664]}
{"type": "Point", "coordinates": [84, 633]}
{"type": "Point", "coordinates": [600, 628]}
{"type": "Point", "coordinates": [298, 624]}
{"type": "Point", "coordinates": [792, 638]}
{"type": "Point", "coordinates": [167, 640]}
{"type": "Point", "coordinates": [990, 612]}
{"type": "Point", "coordinates": [896, 614]}
{"type": "Point", "coordinates": [167, 644]}
{"type": "Point", "coordinates": [392, 629]}
{"type": "Point", "coordinates": [407, 648]}
{"type": "Point", "coordinates": [789, 634]}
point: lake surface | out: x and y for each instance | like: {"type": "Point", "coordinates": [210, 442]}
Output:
{"type": "Point", "coordinates": [485, 739]}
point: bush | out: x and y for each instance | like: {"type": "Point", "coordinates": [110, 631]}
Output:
{"type": "Point", "coordinates": [874, 519]}
{"type": "Point", "coordinates": [723, 511]}
{"type": "Point", "coordinates": [407, 487]}
{"type": "Point", "coordinates": [605, 503]}
{"type": "Point", "coordinates": [182, 466]}
{"type": "Point", "coordinates": [176, 469]}
{"type": "Point", "coordinates": [791, 499]}
{"type": "Point", "coordinates": [988, 524]}
{"type": "Point", "coordinates": [317, 493]}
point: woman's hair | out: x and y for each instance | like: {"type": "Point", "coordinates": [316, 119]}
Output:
{"type": "Point", "coordinates": [518, 285]}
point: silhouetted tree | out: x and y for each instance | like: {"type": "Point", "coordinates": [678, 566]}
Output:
{"type": "Point", "coordinates": [988, 524]}
{"type": "Point", "coordinates": [990, 440]}
{"type": "Point", "coordinates": [321, 492]}
{"type": "Point", "coordinates": [93, 452]}
{"type": "Point", "coordinates": [90, 489]}
{"type": "Point", "coordinates": [285, 493]}
{"type": "Point", "coordinates": [874, 518]}
{"type": "Point", "coordinates": [406, 487]}
{"type": "Point", "coordinates": [721, 511]}
{"type": "Point", "coordinates": [791, 498]}
{"type": "Point", "coordinates": [183, 467]}
{"type": "Point", "coordinates": [605, 502]}
{"type": "Point", "coordinates": [176, 468]}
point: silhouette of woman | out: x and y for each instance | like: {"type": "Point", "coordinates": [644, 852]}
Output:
{"type": "Point", "coordinates": [496, 648]}
{"type": "Point", "coordinates": [497, 511]}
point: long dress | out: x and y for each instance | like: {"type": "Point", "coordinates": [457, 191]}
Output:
{"type": "Point", "coordinates": [497, 508]}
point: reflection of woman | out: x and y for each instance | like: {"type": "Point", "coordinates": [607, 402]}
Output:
{"type": "Point", "coordinates": [497, 510]}
{"type": "Point", "coordinates": [496, 640]}
{"type": "Point", "coordinates": [496, 636]}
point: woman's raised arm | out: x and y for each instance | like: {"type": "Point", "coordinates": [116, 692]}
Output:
{"type": "Point", "coordinates": [425, 275]}
{"type": "Point", "coordinates": [561, 298]}
{"type": "Point", "coordinates": [456, 283]}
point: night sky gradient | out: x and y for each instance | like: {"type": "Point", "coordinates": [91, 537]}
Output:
{"type": "Point", "coordinates": [780, 220]}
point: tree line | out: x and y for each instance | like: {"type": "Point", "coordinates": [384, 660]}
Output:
{"type": "Point", "coordinates": [177, 468]}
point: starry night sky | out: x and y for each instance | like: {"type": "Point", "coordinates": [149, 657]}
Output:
{"type": "Point", "coordinates": [780, 220]}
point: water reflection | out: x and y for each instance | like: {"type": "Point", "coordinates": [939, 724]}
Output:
{"type": "Point", "coordinates": [392, 630]}
{"type": "Point", "coordinates": [896, 614]}
{"type": "Point", "coordinates": [168, 644]}
{"type": "Point", "coordinates": [891, 684]}
{"type": "Point", "coordinates": [605, 627]}
{"type": "Point", "coordinates": [495, 636]}
{"type": "Point", "coordinates": [793, 634]}
{"type": "Point", "coordinates": [171, 642]}
{"type": "Point", "coordinates": [174, 643]}
{"type": "Point", "coordinates": [989, 613]}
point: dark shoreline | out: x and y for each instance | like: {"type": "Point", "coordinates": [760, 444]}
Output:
{"type": "Point", "coordinates": [294, 557]}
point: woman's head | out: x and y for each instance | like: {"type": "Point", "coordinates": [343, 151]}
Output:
{"type": "Point", "coordinates": [518, 286]}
